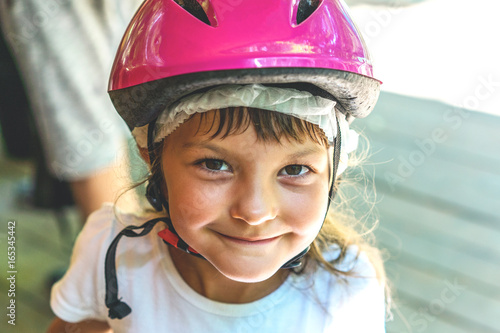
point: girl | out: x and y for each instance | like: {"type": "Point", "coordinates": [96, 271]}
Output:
{"type": "Point", "coordinates": [241, 110]}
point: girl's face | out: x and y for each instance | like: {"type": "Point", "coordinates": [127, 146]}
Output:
{"type": "Point", "coordinates": [246, 205]}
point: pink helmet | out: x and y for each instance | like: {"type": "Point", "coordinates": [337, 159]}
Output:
{"type": "Point", "coordinates": [175, 47]}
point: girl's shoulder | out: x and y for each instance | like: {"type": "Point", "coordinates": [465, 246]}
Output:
{"type": "Point", "coordinates": [79, 294]}
{"type": "Point", "coordinates": [353, 261]}
{"type": "Point", "coordinates": [354, 276]}
{"type": "Point", "coordinates": [354, 292]}
{"type": "Point", "coordinates": [110, 220]}
{"type": "Point", "coordinates": [108, 211]}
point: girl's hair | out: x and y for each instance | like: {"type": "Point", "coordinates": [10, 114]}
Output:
{"type": "Point", "coordinates": [341, 228]}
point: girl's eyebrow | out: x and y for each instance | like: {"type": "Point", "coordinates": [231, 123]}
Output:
{"type": "Point", "coordinates": [205, 145]}
{"type": "Point", "coordinates": [316, 149]}
{"type": "Point", "coordinates": [306, 152]}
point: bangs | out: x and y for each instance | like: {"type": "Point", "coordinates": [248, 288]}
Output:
{"type": "Point", "coordinates": [268, 125]}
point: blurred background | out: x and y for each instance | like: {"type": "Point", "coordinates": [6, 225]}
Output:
{"type": "Point", "coordinates": [435, 150]}
{"type": "Point", "coordinates": [435, 162]}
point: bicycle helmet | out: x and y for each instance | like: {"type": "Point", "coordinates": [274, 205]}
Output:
{"type": "Point", "coordinates": [173, 48]}
{"type": "Point", "coordinates": [176, 48]}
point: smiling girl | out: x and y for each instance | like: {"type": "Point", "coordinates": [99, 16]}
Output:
{"type": "Point", "coordinates": [241, 109]}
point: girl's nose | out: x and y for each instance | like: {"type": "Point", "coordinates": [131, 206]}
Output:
{"type": "Point", "coordinates": [255, 202]}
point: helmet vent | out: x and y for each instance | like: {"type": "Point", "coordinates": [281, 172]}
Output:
{"type": "Point", "coordinates": [194, 8]}
{"type": "Point", "coordinates": [306, 8]}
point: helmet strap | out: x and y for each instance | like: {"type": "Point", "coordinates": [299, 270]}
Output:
{"type": "Point", "coordinates": [153, 190]}
{"type": "Point", "coordinates": [119, 309]}
{"type": "Point", "coordinates": [157, 200]}
{"type": "Point", "coordinates": [296, 261]}
{"type": "Point", "coordinates": [336, 160]}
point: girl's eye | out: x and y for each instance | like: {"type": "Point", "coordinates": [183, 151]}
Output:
{"type": "Point", "coordinates": [294, 170]}
{"type": "Point", "coordinates": [215, 165]}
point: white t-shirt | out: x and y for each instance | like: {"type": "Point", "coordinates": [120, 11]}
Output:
{"type": "Point", "coordinates": [162, 302]}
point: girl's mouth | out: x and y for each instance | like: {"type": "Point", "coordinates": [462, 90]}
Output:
{"type": "Point", "coordinates": [250, 241]}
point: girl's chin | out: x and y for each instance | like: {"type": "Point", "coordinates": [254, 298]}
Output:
{"type": "Point", "coordinates": [247, 272]}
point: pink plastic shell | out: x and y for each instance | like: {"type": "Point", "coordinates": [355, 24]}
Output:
{"type": "Point", "coordinates": [164, 40]}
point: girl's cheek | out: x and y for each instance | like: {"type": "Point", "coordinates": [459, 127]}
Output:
{"type": "Point", "coordinates": [306, 210]}
{"type": "Point", "coordinates": [196, 201]}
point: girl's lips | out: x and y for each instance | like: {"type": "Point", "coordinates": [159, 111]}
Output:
{"type": "Point", "coordinates": [250, 241]}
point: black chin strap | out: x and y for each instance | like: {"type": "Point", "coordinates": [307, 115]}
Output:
{"type": "Point", "coordinates": [119, 309]}
{"type": "Point", "coordinates": [336, 159]}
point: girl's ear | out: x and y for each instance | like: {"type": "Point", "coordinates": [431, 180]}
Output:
{"type": "Point", "coordinates": [144, 154]}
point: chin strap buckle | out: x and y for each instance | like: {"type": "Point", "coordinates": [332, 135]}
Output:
{"type": "Point", "coordinates": [118, 310]}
